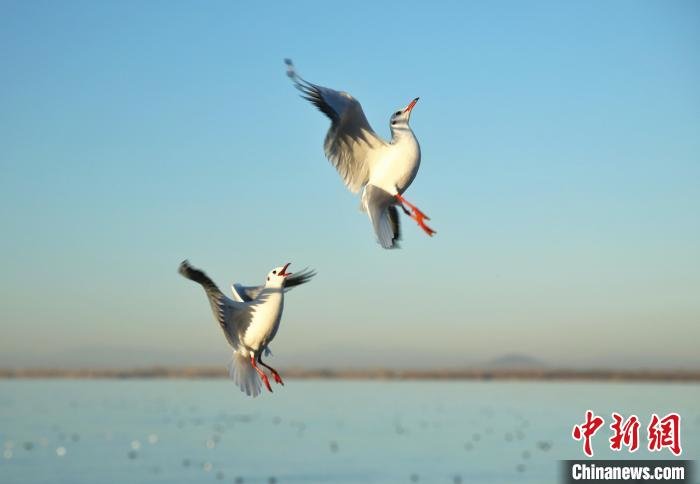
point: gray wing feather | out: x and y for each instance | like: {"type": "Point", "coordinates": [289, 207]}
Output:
{"type": "Point", "coordinates": [350, 137]}
{"type": "Point", "coordinates": [234, 317]}
{"type": "Point", "coordinates": [243, 293]}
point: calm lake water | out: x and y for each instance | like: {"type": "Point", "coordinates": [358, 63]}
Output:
{"type": "Point", "coordinates": [206, 431]}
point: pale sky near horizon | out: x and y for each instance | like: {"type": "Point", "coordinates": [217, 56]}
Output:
{"type": "Point", "coordinates": [561, 169]}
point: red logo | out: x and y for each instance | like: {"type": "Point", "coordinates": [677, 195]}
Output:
{"type": "Point", "coordinates": [665, 432]}
{"type": "Point", "coordinates": [626, 433]}
{"type": "Point", "coordinates": [662, 433]}
{"type": "Point", "coordinates": [587, 430]}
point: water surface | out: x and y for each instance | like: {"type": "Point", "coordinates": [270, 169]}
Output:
{"type": "Point", "coordinates": [206, 431]}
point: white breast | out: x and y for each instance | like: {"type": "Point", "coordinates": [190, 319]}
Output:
{"type": "Point", "coordinates": [396, 165]}
{"type": "Point", "coordinates": [266, 319]}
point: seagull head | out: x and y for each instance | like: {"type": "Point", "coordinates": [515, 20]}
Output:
{"type": "Point", "coordinates": [276, 277]}
{"type": "Point", "coordinates": [401, 117]}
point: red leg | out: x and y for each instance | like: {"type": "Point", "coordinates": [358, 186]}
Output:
{"type": "Point", "coordinates": [275, 375]}
{"type": "Point", "coordinates": [415, 214]}
{"type": "Point", "coordinates": [260, 372]}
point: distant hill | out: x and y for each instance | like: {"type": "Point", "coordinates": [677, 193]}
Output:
{"type": "Point", "coordinates": [516, 361]}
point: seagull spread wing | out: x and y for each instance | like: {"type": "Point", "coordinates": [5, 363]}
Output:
{"type": "Point", "coordinates": [350, 138]}
{"type": "Point", "coordinates": [234, 317]}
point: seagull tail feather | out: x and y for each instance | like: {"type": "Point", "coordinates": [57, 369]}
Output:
{"type": "Point", "coordinates": [381, 209]}
{"type": "Point", "coordinates": [244, 375]}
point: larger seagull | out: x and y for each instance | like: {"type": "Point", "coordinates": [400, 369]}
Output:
{"type": "Point", "coordinates": [383, 169]}
{"type": "Point", "coordinates": [250, 320]}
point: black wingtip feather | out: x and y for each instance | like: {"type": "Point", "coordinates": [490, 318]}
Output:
{"type": "Point", "coordinates": [186, 270]}
{"type": "Point", "coordinates": [310, 92]}
{"type": "Point", "coordinates": [298, 278]}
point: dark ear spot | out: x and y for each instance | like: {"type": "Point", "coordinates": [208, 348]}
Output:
{"type": "Point", "coordinates": [393, 122]}
{"type": "Point", "coordinates": [268, 278]}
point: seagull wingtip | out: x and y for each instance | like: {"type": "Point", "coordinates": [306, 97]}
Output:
{"type": "Point", "coordinates": [291, 72]}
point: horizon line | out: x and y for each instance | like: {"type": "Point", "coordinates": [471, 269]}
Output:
{"type": "Point", "coordinates": [482, 374]}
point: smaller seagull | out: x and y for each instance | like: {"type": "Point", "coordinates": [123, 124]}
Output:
{"type": "Point", "coordinates": [383, 169]}
{"type": "Point", "coordinates": [250, 320]}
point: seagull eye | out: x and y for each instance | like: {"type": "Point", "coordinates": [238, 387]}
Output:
{"type": "Point", "coordinates": [397, 113]}
{"type": "Point", "coordinates": [274, 272]}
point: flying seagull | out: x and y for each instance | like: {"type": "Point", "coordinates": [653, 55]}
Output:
{"type": "Point", "coordinates": [383, 169]}
{"type": "Point", "coordinates": [250, 320]}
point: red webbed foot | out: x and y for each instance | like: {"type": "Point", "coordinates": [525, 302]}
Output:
{"type": "Point", "coordinates": [416, 215]}
{"type": "Point", "coordinates": [278, 378]}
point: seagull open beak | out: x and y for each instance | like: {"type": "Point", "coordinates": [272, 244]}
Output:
{"type": "Point", "coordinates": [284, 272]}
{"type": "Point", "coordinates": [411, 105]}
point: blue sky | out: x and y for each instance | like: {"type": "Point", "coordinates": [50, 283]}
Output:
{"type": "Point", "coordinates": [561, 165]}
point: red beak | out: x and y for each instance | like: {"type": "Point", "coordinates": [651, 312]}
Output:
{"type": "Point", "coordinates": [411, 105]}
{"type": "Point", "coordinates": [284, 272]}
